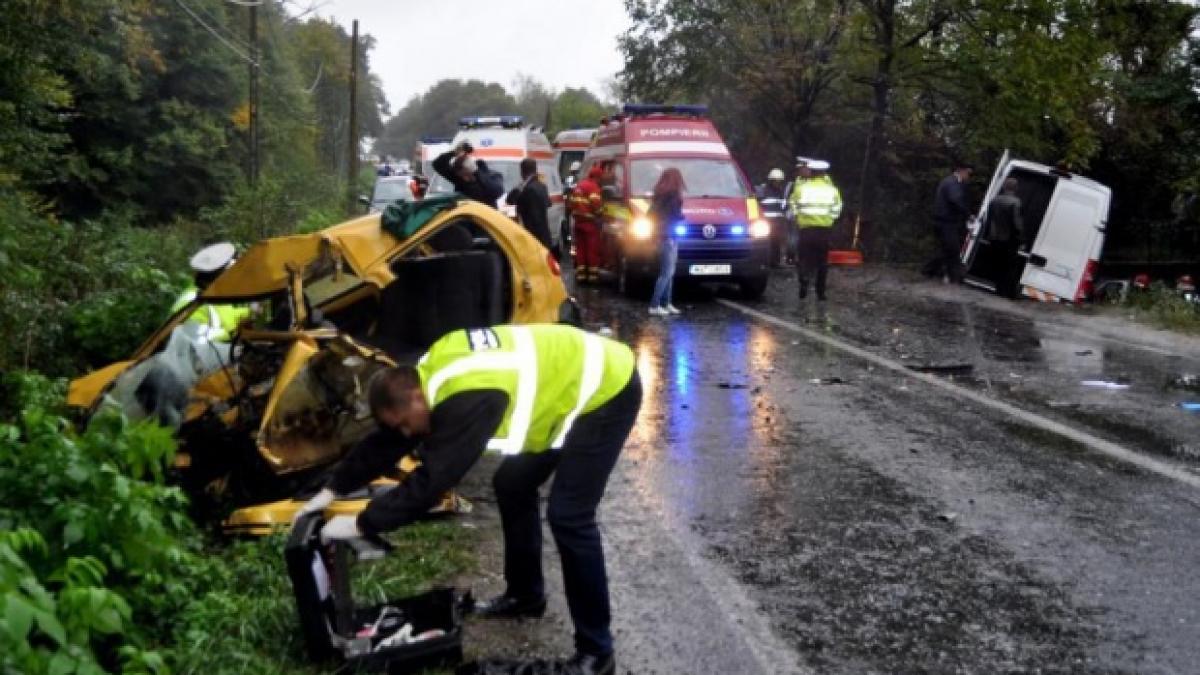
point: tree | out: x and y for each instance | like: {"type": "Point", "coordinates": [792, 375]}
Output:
{"type": "Point", "coordinates": [437, 111]}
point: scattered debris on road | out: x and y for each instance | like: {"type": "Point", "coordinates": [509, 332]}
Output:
{"type": "Point", "coordinates": [1186, 381]}
{"type": "Point", "coordinates": [944, 369]}
{"type": "Point", "coordinates": [827, 380]}
{"type": "Point", "coordinates": [1105, 384]}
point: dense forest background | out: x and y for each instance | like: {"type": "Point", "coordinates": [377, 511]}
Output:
{"type": "Point", "coordinates": [890, 91]}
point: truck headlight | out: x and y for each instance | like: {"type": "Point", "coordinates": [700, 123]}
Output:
{"type": "Point", "coordinates": [760, 229]}
{"type": "Point", "coordinates": [642, 228]}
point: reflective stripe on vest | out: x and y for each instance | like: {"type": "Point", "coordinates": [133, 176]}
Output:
{"type": "Point", "coordinates": [523, 359]}
{"type": "Point", "coordinates": [817, 203]}
{"type": "Point", "coordinates": [589, 382]}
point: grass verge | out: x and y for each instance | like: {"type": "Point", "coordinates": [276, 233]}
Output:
{"type": "Point", "coordinates": [246, 622]}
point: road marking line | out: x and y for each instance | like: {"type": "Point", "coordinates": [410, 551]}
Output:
{"type": "Point", "coordinates": [1045, 424]}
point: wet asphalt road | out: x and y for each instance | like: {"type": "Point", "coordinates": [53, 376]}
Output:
{"type": "Point", "coordinates": [785, 507]}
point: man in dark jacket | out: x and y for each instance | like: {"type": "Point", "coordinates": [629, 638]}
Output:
{"type": "Point", "coordinates": [950, 215]}
{"type": "Point", "coordinates": [470, 177]}
{"type": "Point", "coordinates": [1005, 230]}
{"type": "Point", "coordinates": [533, 202]}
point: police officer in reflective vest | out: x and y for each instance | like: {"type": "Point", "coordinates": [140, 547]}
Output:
{"type": "Point", "coordinates": [816, 205]}
{"type": "Point", "coordinates": [218, 322]}
{"type": "Point", "coordinates": [552, 399]}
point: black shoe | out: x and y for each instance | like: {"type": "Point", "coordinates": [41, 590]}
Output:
{"type": "Point", "coordinates": [590, 664]}
{"type": "Point", "coordinates": [504, 606]}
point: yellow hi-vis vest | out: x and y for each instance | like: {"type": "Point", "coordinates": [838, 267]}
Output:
{"type": "Point", "coordinates": [816, 202]}
{"type": "Point", "coordinates": [552, 374]}
{"type": "Point", "coordinates": [218, 321]}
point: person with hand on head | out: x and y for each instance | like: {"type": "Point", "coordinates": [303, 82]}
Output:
{"type": "Point", "coordinates": [553, 400]}
{"type": "Point", "coordinates": [470, 176]}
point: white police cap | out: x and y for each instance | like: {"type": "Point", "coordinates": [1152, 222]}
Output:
{"type": "Point", "coordinates": [803, 161]}
{"type": "Point", "coordinates": [213, 258]}
{"type": "Point", "coordinates": [818, 165]}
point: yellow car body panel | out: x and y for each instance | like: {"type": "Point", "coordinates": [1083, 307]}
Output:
{"type": "Point", "coordinates": [84, 391]}
{"type": "Point", "coordinates": [358, 247]}
{"type": "Point", "coordinates": [367, 251]}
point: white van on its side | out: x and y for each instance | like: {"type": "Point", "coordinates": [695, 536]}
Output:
{"type": "Point", "coordinates": [503, 142]}
{"type": "Point", "coordinates": [1065, 217]}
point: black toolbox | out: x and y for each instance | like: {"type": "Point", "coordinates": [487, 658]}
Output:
{"type": "Point", "coordinates": [355, 638]}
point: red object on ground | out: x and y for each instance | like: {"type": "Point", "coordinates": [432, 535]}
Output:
{"type": "Point", "coordinates": [846, 257]}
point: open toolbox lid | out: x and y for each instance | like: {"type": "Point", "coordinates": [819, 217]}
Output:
{"type": "Point", "coordinates": [398, 636]}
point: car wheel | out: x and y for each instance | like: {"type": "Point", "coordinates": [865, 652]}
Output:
{"type": "Point", "coordinates": [753, 288]}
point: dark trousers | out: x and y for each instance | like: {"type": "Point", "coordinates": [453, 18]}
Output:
{"type": "Point", "coordinates": [779, 239]}
{"type": "Point", "coordinates": [948, 260]}
{"type": "Point", "coordinates": [812, 257]}
{"type": "Point", "coordinates": [1013, 265]}
{"type": "Point", "coordinates": [581, 471]}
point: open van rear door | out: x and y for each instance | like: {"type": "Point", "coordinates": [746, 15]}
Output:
{"type": "Point", "coordinates": [975, 239]}
{"type": "Point", "coordinates": [1068, 244]}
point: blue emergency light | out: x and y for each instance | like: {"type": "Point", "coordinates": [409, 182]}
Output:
{"type": "Point", "coordinates": [680, 230]}
{"type": "Point", "coordinates": [638, 109]}
{"type": "Point", "coordinates": [738, 230]}
{"type": "Point", "coordinates": [502, 121]}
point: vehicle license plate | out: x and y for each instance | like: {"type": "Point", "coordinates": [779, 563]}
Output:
{"type": "Point", "coordinates": [710, 270]}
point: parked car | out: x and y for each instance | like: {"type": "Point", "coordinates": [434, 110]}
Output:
{"type": "Point", "coordinates": [261, 419]}
{"type": "Point", "coordinates": [389, 189]}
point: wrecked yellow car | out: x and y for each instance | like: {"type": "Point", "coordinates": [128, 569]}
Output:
{"type": "Point", "coordinates": [262, 418]}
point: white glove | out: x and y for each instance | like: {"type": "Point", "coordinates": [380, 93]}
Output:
{"type": "Point", "coordinates": [339, 528]}
{"type": "Point", "coordinates": [319, 502]}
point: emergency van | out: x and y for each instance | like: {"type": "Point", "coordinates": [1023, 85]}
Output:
{"type": "Point", "coordinates": [1065, 216]}
{"type": "Point", "coordinates": [502, 142]}
{"type": "Point", "coordinates": [723, 237]}
{"type": "Point", "coordinates": [569, 147]}
{"type": "Point", "coordinates": [427, 150]}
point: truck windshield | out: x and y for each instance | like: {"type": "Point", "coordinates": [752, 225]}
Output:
{"type": "Point", "coordinates": [702, 177]}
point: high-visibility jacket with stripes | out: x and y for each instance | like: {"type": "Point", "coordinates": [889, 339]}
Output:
{"type": "Point", "coordinates": [219, 321]}
{"type": "Point", "coordinates": [552, 374]}
{"type": "Point", "coordinates": [816, 202]}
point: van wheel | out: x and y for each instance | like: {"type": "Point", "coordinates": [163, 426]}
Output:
{"type": "Point", "coordinates": [753, 287]}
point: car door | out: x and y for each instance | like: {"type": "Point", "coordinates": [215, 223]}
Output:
{"type": "Point", "coordinates": [974, 253]}
{"type": "Point", "coordinates": [1069, 234]}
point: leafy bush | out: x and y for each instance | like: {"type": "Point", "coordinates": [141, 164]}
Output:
{"type": "Point", "coordinates": [1165, 307]}
{"type": "Point", "coordinates": [95, 546]}
{"type": "Point", "coordinates": [101, 569]}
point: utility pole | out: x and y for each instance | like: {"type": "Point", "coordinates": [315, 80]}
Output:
{"type": "Point", "coordinates": [352, 141]}
{"type": "Point", "coordinates": [253, 104]}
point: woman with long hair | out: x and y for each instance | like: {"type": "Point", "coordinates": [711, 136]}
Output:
{"type": "Point", "coordinates": [666, 209]}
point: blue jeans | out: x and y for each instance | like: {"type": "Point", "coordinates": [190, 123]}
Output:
{"type": "Point", "coordinates": [668, 255]}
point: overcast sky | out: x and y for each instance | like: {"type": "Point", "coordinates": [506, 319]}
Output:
{"type": "Point", "coordinates": [562, 43]}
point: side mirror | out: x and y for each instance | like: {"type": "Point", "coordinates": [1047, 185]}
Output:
{"type": "Point", "coordinates": [364, 200]}
{"type": "Point", "coordinates": [611, 192]}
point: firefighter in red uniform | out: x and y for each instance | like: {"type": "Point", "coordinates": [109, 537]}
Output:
{"type": "Point", "coordinates": [586, 205]}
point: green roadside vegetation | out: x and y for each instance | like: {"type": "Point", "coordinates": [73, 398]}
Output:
{"type": "Point", "coordinates": [1163, 307]}
{"type": "Point", "coordinates": [101, 569]}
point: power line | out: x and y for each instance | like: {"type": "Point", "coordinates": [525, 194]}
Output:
{"type": "Point", "coordinates": [245, 57]}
